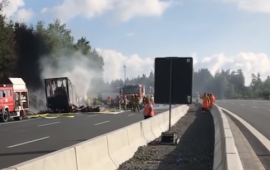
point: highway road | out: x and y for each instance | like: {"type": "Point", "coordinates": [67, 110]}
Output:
{"type": "Point", "coordinates": [22, 141]}
{"type": "Point", "coordinates": [255, 112]}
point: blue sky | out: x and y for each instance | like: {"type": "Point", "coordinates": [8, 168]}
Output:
{"type": "Point", "coordinates": [203, 28]}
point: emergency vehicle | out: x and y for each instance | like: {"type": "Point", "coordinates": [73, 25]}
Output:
{"type": "Point", "coordinates": [14, 100]}
{"type": "Point", "coordinates": [138, 89]}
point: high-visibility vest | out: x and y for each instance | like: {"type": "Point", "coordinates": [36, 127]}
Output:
{"type": "Point", "coordinates": [205, 99]}
{"type": "Point", "coordinates": [146, 109]}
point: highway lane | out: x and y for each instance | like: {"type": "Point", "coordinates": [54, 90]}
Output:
{"type": "Point", "coordinates": [255, 112]}
{"type": "Point", "coordinates": [21, 141]}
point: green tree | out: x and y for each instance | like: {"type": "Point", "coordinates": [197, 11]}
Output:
{"type": "Point", "coordinates": [83, 45]}
{"type": "Point", "coordinates": [224, 84]}
{"type": "Point", "coordinates": [7, 49]}
{"type": "Point", "coordinates": [59, 37]}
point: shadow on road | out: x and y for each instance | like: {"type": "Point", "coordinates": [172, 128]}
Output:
{"type": "Point", "coordinates": [79, 140]}
{"type": "Point", "coordinates": [26, 153]}
{"type": "Point", "coordinates": [196, 147]}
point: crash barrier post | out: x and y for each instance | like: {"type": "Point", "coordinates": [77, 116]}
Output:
{"type": "Point", "coordinates": [107, 151]}
{"type": "Point", "coordinates": [226, 156]}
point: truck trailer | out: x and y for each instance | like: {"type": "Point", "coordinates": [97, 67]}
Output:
{"type": "Point", "coordinates": [61, 95]}
{"type": "Point", "coordinates": [14, 100]}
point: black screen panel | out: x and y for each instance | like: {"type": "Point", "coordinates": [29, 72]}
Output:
{"type": "Point", "coordinates": [182, 72]}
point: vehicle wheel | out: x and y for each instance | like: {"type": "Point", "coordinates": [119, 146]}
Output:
{"type": "Point", "coordinates": [4, 117]}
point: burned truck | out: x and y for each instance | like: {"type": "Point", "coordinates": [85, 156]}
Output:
{"type": "Point", "coordinates": [61, 95]}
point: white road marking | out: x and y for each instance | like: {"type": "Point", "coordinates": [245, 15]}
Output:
{"type": "Point", "coordinates": [31, 141]}
{"type": "Point", "coordinates": [113, 113]}
{"type": "Point", "coordinates": [47, 124]}
{"type": "Point", "coordinates": [131, 114]}
{"type": "Point", "coordinates": [254, 107]}
{"type": "Point", "coordinates": [91, 115]}
{"type": "Point", "coordinates": [254, 131]}
{"type": "Point", "coordinates": [101, 123]}
{"type": "Point", "coordinates": [51, 117]}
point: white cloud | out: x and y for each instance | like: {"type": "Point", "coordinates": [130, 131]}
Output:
{"type": "Point", "coordinates": [248, 62]}
{"type": "Point", "coordinates": [24, 15]}
{"type": "Point", "coordinates": [251, 5]}
{"type": "Point", "coordinates": [14, 9]}
{"type": "Point", "coordinates": [122, 10]}
{"type": "Point", "coordinates": [115, 61]}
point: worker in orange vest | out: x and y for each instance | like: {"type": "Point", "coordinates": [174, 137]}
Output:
{"type": "Point", "coordinates": [148, 109]}
{"type": "Point", "coordinates": [205, 103]}
{"type": "Point", "coordinates": [211, 101]}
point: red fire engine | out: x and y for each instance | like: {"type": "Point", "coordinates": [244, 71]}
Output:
{"type": "Point", "coordinates": [133, 89]}
{"type": "Point", "coordinates": [14, 100]}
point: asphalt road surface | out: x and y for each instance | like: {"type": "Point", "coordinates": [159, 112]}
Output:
{"type": "Point", "coordinates": [25, 140]}
{"type": "Point", "coordinates": [255, 112]}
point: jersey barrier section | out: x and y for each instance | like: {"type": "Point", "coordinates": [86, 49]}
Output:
{"type": "Point", "coordinates": [107, 151]}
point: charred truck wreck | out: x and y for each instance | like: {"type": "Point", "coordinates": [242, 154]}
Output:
{"type": "Point", "coordinates": [61, 96]}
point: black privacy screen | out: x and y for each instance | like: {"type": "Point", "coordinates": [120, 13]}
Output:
{"type": "Point", "coordinates": [182, 72]}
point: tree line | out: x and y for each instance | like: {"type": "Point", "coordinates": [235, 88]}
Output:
{"type": "Point", "coordinates": [22, 48]}
{"type": "Point", "coordinates": [228, 84]}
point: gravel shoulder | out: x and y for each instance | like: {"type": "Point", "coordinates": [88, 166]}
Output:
{"type": "Point", "coordinates": [194, 152]}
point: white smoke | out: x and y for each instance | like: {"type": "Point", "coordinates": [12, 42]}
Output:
{"type": "Point", "coordinates": [77, 67]}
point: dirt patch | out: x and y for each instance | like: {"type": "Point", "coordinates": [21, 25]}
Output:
{"type": "Point", "coordinates": [194, 152]}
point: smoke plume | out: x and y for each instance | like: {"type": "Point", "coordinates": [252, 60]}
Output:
{"type": "Point", "coordinates": [74, 65]}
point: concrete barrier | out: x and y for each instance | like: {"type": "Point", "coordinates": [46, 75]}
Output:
{"type": "Point", "coordinates": [119, 147]}
{"type": "Point", "coordinates": [166, 119]}
{"type": "Point", "coordinates": [176, 114]}
{"type": "Point", "coordinates": [135, 136]}
{"type": "Point", "coordinates": [93, 154]}
{"type": "Point", "coordinates": [155, 126]}
{"type": "Point", "coordinates": [226, 156]}
{"type": "Point", "coordinates": [162, 123]}
{"type": "Point", "coordinates": [107, 151]}
{"type": "Point", "coordinates": [64, 159]}
{"type": "Point", "coordinates": [147, 130]}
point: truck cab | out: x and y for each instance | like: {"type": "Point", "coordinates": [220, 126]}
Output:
{"type": "Point", "coordinates": [14, 100]}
